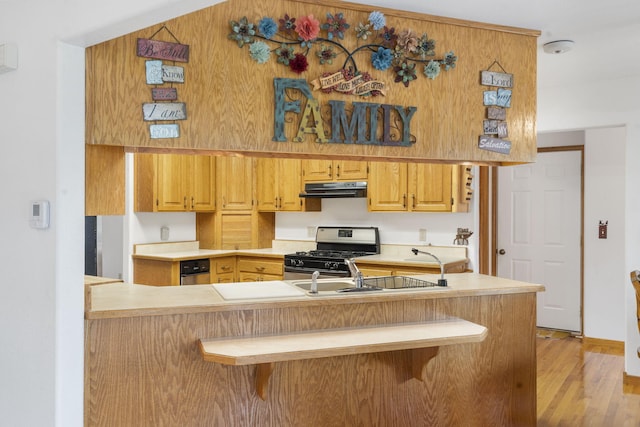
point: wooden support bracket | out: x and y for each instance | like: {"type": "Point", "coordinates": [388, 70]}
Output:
{"type": "Point", "coordinates": [263, 373]}
{"type": "Point", "coordinates": [420, 357]}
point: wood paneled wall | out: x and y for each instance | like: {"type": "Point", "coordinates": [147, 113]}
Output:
{"type": "Point", "coordinates": [230, 98]}
{"type": "Point", "coordinates": [147, 371]}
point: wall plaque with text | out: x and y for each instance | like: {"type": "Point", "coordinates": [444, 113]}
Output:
{"type": "Point", "coordinates": [164, 111]}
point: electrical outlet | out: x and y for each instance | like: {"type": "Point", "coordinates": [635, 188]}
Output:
{"type": "Point", "coordinates": [422, 235]}
{"type": "Point", "coordinates": [311, 231]}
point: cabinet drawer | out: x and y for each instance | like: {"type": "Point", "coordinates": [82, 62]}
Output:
{"type": "Point", "coordinates": [261, 266]}
{"type": "Point", "coordinates": [225, 265]}
{"type": "Point", "coordinates": [368, 272]}
{"type": "Point", "coordinates": [256, 277]}
{"type": "Point", "coordinates": [225, 278]}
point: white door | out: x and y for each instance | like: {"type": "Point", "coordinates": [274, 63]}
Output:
{"type": "Point", "coordinates": [539, 233]}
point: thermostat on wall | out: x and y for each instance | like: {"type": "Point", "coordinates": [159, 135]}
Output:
{"type": "Point", "coordinates": [39, 216]}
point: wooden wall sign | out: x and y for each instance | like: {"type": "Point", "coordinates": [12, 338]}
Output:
{"type": "Point", "coordinates": [156, 49]}
{"type": "Point", "coordinates": [164, 94]}
{"type": "Point", "coordinates": [495, 129]}
{"type": "Point", "coordinates": [164, 131]}
{"type": "Point", "coordinates": [164, 111]}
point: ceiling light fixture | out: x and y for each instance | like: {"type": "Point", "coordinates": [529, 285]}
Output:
{"type": "Point", "coordinates": [558, 46]}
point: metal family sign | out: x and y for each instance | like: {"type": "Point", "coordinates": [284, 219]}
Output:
{"type": "Point", "coordinates": [370, 123]}
{"type": "Point", "coordinates": [158, 73]}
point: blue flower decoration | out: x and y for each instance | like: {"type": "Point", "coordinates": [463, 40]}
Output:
{"type": "Point", "coordinates": [432, 69]}
{"type": "Point", "coordinates": [267, 27]}
{"type": "Point", "coordinates": [381, 59]}
{"type": "Point", "coordinates": [449, 61]}
{"type": "Point", "coordinates": [377, 19]}
{"type": "Point", "coordinates": [260, 52]}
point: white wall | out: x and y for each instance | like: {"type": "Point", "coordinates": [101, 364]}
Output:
{"type": "Point", "coordinates": [607, 104]}
{"type": "Point", "coordinates": [605, 276]}
{"type": "Point", "coordinates": [42, 136]}
{"type": "Point", "coordinates": [395, 228]}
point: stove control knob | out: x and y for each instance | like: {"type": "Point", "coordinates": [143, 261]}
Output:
{"type": "Point", "coordinates": [299, 263]}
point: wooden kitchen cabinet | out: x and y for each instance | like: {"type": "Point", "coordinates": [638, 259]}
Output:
{"type": "Point", "coordinates": [333, 170]}
{"type": "Point", "coordinates": [259, 269]}
{"type": "Point", "coordinates": [235, 182]}
{"type": "Point", "coordinates": [174, 183]}
{"type": "Point", "coordinates": [413, 187]}
{"type": "Point", "coordinates": [223, 270]}
{"type": "Point", "coordinates": [279, 185]}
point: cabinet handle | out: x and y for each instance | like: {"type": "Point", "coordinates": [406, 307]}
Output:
{"type": "Point", "coordinates": [330, 171]}
{"type": "Point", "coordinates": [192, 203]}
{"type": "Point", "coordinates": [185, 202]}
{"type": "Point", "coordinates": [338, 171]}
{"type": "Point", "coordinates": [404, 200]}
{"type": "Point", "coordinates": [260, 269]}
{"type": "Point", "coordinates": [413, 201]}
{"type": "Point", "coordinates": [276, 203]}
{"type": "Point", "coordinates": [225, 267]}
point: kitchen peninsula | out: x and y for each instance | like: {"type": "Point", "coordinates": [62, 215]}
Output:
{"type": "Point", "coordinates": [144, 365]}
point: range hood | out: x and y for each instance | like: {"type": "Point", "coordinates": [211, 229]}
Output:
{"type": "Point", "coordinates": [326, 190]}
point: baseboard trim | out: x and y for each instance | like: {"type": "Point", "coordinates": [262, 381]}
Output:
{"type": "Point", "coordinates": [615, 345]}
{"type": "Point", "coordinates": [631, 383]}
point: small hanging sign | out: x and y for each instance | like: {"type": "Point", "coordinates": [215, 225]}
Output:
{"type": "Point", "coordinates": [164, 111]}
{"type": "Point", "coordinates": [164, 131]}
{"type": "Point", "coordinates": [494, 144]}
{"type": "Point", "coordinates": [172, 74]}
{"type": "Point", "coordinates": [495, 113]}
{"type": "Point", "coordinates": [164, 94]}
{"type": "Point", "coordinates": [168, 51]}
{"type": "Point", "coordinates": [492, 78]}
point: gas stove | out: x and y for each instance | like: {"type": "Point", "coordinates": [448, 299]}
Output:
{"type": "Point", "coordinates": [333, 246]}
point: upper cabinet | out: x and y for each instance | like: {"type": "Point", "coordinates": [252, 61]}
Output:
{"type": "Point", "coordinates": [414, 187]}
{"type": "Point", "coordinates": [228, 99]}
{"type": "Point", "coordinates": [174, 183]}
{"type": "Point", "coordinates": [235, 179]}
{"type": "Point", "coordinates": [279, 184]}
{"type": "Point", "coordinates": [334, 170]}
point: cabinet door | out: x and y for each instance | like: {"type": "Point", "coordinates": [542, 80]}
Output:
{"type": "Point", "coordinates": [387, 187]}
{"type": "Point", "coordinates": [350, 170]}
{"type": "Point", "coordinates": [266, 184]}
{"type": "Point", "coordinates": [317, 170]}
{"type": "Point", "coordinates": [429, 187]}
{"type": "Point", "coordinates": [171, 186]}
{"type": "Point", "coordinates": [289, 184]}
{"type": "Point", "coordinates": [234, 179]}
{"type": "Point", "coordinates": [202, 183]}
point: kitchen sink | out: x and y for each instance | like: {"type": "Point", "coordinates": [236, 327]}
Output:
{"type": "Point", "coordinates": [371, 284]}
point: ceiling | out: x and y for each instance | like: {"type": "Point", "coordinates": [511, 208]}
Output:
{"type": "Point", "coordinates": [606, 33]}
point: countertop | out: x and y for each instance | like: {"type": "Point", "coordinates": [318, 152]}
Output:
{"type": "Point", "coordinates": [390, 254]}
{"type": "Point", "coordinates": [129, 300]}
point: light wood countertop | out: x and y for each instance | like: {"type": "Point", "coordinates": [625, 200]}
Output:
{"type": "Point", "coordinates": [130, 300]}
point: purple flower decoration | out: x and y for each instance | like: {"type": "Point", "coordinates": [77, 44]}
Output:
{"type": "Point", "coordinates": [381, 59]}
{"type": "Point", "coordinates": [287, 25]}
{"type": "Point", "coordinates": [267, 27]}
{"type": "Point", "coordinates": [389, 37]}
{"type": "Point", "coordinates": [335, 26]}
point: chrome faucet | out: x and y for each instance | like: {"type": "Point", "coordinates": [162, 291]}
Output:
{"type": "Point", "coordinates": [442, 281]}
{"type": "Point", "coordinates": [314, 282]}
{"type": "Point", "coordinates": [358, 278]}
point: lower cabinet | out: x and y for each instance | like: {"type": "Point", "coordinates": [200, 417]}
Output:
{"type": "Point", "coordinates": [256, 269]}
{"type": "Point", "coordinates": [223, 270]}
{"type": "Point", "coordinates": [389, 270]}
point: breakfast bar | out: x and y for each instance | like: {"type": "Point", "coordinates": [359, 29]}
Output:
{"type": "Point", "coordinates": [460, 355]}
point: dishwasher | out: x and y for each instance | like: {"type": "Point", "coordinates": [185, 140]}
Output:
{"type": "Point", "coordinates": [195, 272]}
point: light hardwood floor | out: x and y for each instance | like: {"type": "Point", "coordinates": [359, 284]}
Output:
{"type": "Point", "coordinates": [581, 384]}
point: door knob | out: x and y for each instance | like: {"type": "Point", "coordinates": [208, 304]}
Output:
{"type": "Point", "coordinates": [502, 252]}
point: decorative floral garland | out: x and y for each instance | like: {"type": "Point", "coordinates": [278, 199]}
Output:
{"type": "Point", "coordinates": [401, 52]}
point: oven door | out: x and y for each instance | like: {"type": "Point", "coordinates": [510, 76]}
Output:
{"type": "Point", "coordinates": [302, 274]}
